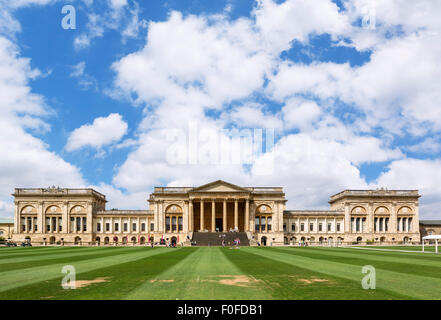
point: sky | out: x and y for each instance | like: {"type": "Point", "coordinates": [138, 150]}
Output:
{"type": "Point", "coordinates": [315, 96]}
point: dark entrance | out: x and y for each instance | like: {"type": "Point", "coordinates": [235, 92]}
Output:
{"type": "Point", "coordinates": [219, 224]}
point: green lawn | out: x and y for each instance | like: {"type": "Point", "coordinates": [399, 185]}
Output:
{"type": "Point", "coordinates": [217, 273]}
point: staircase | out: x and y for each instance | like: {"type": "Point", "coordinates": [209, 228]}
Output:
{"type": "Point", "coordinates": [213, 239]}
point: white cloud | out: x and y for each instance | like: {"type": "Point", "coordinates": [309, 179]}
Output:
{"type": "Point", "coordinates": [290, 20]}
{"type": "Point", "coordinates": [85, 80]}
{"type": "Point", "coordinates": [103, 131]}
{"type": "Point", "coordinates": [299, 113]}
{"type": "Point", "coordinates": [26, 160]}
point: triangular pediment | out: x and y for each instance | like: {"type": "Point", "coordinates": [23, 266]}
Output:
{"type": "Point", "coordinates": [219, 186]}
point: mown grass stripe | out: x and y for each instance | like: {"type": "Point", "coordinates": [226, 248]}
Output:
{"type": "Point", "coordinates": [357, 258]}
{"type": "Point", "coordinates": [414, 286]}
{"type": "Point", "coordinates": [69, 258]}
{"type": "Point", "coordinates": [22, 277]}
{"type": "Point", "coordinates": [54, 255]}
{"type": "Point", "coordinates": [287, 281]}
{"type": "Point", "coordinates": [199, 276]}
{"type": "Point", "coordinates": [25, 252]}
{"type": "Point", "coordinates": [355, 254]}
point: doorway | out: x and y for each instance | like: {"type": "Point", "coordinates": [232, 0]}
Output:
{"type": "Point", "coordinates": [219, 224]}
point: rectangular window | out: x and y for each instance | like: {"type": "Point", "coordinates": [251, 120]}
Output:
{"type": "Point", "coordinates": [338, 227]}
{"type": "Point", "coordinates": [30, 224]}
{"type": "Point", "coordinates": [48, 224]}
{"type": "Point", "coordinates": [84, 224]}
{"type": "Point", "coordinates": [293, 227]}
{"type": "Point", "coordinates": [72, 224]}
{"type": "Point", "coordinates": [143, 227]}
{"type": "Point", "coordinates": [375, 224]}
{"type": "Point", "coordinates": [35, 225]}
{"type": "Point", "coordinates": [257, 224]}
{"type": "Point", "coordinates": [329, 227]}
{"type": "Point", "coordinates": [60, 224]}
{"type": "Point", "coordinates": [152, 226]}
{"type": "Point", "coordinates": [167, 224]}
{"type": "Point", "coordinates": [174, 227]}
{"type": "Point", "coordinates": [269, 224]}
{"type": "Point", "coordinates": [116, 226]}
{"type": "Point", "coordinates": [54, 224]}
{"type": "Point", "coordinates": [134, 227]}
{"type": "Point", "coordinates": [180, 224]}
{"type": "Point", "coordinates": [125, 226]}
{"type": "Point", "coordinates": [98, 227]}
{"type": "Point", "coordinates": [107, 226]}
{"type": "Point", "coordinates": [302, 227]}
{"type": "Point", "coordinates": [78, 224]}
{"type": "Point", "coordinates": [311, 227]}
{"type": "Point", "coordinates": [263, 224]}
{"type": "Point", "coordinates": [320, 227]}
{"type": "Point", "coordinates": [284, 227]}
{"type": "Point", "coordinates": [386, 226]}
{"type": "Point", "coordinates": [409, 225]}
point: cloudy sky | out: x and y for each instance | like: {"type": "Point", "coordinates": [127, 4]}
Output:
{"type": "Point", "coordinates": [127, 95]}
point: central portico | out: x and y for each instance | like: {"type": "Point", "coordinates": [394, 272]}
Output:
{"type": "Point", "coordinates": [218, 206]}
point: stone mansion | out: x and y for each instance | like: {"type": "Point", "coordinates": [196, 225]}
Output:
{"type": "Point", "coordinates": [177, 214]}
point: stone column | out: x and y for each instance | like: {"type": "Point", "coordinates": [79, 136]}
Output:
{"type": "Point", "coordinates": [236, 215]}
{"type": "Point", "coordinates": [247, 215]}
{"type": "Point", "coordinates": [202, 216]}
{"type": "Point", "coordinates": [41, 218]}
{"type": "Point", "coordinates": [347, 221]}
{"type": "Point", "coordinates": [415, 219]}
{"type": "Point", "coordinates": [213, 216]}
{"type": "Point", "coordinates": [191, 216]}
{"type": "Point", "coordinates": [370, 218]}
{"type": "Point", "coordinates": [17, 218]}
{"type": "Point", "coordinates": [393, 227]}
{"type": "Point", "coordinates": [224, 217]}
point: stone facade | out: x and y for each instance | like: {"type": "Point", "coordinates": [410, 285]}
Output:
{"type": "Point", "coordinates": [78, 216]}
{"type": "Point", "coordinates": [430, 227]}
{"type": "Point", "coordinates": [6, 228]}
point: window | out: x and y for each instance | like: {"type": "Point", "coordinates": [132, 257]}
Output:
{"type": "Point", "coordinates": [320, 227]}
{"type": "Point", "coordinates": [167, 224]}
{"type": "Point", "coordinates": [125, 226]}
{"type": "Point", "coordinates": [54, 224]}
{"type": "Point", "coordinates": [329, 227]}
{"type": "Point", "coordinates": [386, 226]}
{"type": "Point", "coordinates": [293, 227]}
{"type": "Point", "coordinates": [116, 226]}
{"type": "Point", "coordinates": [302, 227]}
{"type": "Point", "coordinates": [257, 224]}
{"type": "Point", "coordinates": [152, 226]}
{"type": "Point", "coordinates": [284, 227]}
{"type": "Point", "coordinates": [311, 227]}
{"type": "Point", "coordinates": [357, 225]}
{"type": "Point", "coordinates": [79, 224]}
{"type": "Point", "coordinates": [107, 226]}
{"type": "Point", "coordinates": [338, 227]}
{"type": "Point", "coordinates": [48, 225]}
{"type": "Point", "coordinates": [84, 224]}
{"type": "Point", "coordinates": [180, 224]}
{"type": "Point", "coordinates": [60, 224]}
{"type": "Point", "coordinates": [174, 226]}
{"type": "Point", "coordinates": [98, 227]}
{"type": "Point", "coordinates": [134, 227]}
{"type": "Point", "coordinates": [143, 227]}
{"type": "Point", "coordinates": [269, 224]}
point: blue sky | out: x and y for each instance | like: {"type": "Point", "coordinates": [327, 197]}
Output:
{"type": "Point", "coordinates": [353, 104]}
